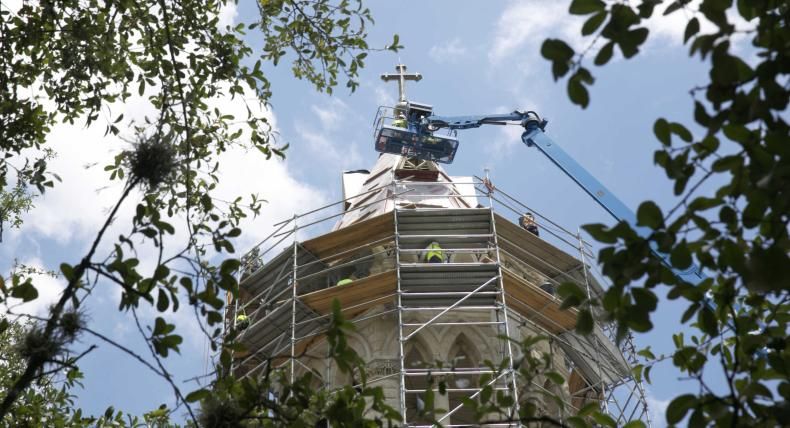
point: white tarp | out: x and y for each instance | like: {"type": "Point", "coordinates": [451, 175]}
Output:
{"type": "Point", "coordinates": [379, 192]}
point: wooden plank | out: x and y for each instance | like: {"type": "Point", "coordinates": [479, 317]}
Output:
{"type": "Point", "coordinates": [353, 236]}
{"type": "Point", "coordinates": [356, 297]}
{"type": "Point", "coordinates": [537, 305]}
{"type": "Point", "coordinates": [529, 247]}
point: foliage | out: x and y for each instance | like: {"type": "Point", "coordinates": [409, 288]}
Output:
{"type": "Point", "coordinates": [274, 398]}
{"type": "Point", "coordinates": [73, 62]}
{"type": "Point", "coordinates": [732, 221]}
{"type": "Point", "coordinates": [18, 199]}
{"type": "Point", "coordinates": [48, 402]}
{"type": "Point", "coordinates": [323, 44]}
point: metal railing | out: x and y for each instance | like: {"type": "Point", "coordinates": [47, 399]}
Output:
{"type": "Point", "coordinates": [300, 274]}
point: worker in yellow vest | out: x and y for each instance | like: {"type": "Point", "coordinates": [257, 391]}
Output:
{"type": "Point", "coordinates": [434, 253]}
{"type": "Point", "coordinates": [347, 280]}
{"type": "Point", "coordinates": [400, 121]}
{"type": "Point", "coordinates": [242, 321]}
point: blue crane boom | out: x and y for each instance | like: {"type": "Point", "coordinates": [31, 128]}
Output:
{"type": "Point", "coordinates": [534, 136]}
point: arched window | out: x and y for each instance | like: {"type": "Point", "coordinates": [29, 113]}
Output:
{"type": "Point", "coordinates": [464, 358]}
{"type": "Point", "coordinates": [415, 364]}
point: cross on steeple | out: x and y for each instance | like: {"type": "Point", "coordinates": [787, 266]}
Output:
{"type": "Point", "coordinates": [401, 77]}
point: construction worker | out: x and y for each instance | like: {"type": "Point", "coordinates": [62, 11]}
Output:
{"type": "Point", "coordinates": [400, 121]}
{"type": "Point", "coordinates": [251, 262]}
{"type": "Point", "coordinates": [527, 221]}
{"type": "Point", "coordinates": [548, 287]}
{"type": "Point", "coordinates": [242, 321]}
{"type": "Point", "coordinates": [433, 253]}
{"type": "Point", "coordinates": [347, 280]}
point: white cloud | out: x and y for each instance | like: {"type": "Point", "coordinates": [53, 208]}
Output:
{"type": "Point", "coordinates": [75, 209]}
{"type": "Point", "coordinates": [227, 14]}
{"type": "Point", "coordinates": [384, 97]}
{"type": "Point", "coordinates": [448, 52]}
{"type": "Point", "coordinates": [49, 289]}
{"type": "Point", "coordinates": [331, 114]}
{"type": "Point", "coordinates": [12, 5]}
{"type": "Point", "coordinates": [320, 134]}
{"type": "Point", "coordinates": [333, 151]}
{"type": "Point", "coordinates": [671, 28]}
{"type": "Point", "coordinates": [523, 26]}
{"type": "Point", "coordinates": [509, 137]}
{"type": "Point", "coordinates": [658, 408]}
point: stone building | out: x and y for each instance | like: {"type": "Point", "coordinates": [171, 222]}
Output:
{"type": "Point", "coordinates": [493, 279]}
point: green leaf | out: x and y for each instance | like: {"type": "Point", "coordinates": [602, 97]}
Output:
{"type": "Point", "coordinates": [25, 291]}
{"type": "Point", "coordinates": [68, 271]}
{"type": "Point", "coordinates": [161, 272]}
{"type": "Point", "coordinates": [589, 409]}
{"type": "Point", "coordinates": [584, 322]}
{"type": "Point", "coordinates": [630, 42]}
{"type": "Point", "coordinates": [737, 133]}
{"type": "Point", "coordinates": [649, 215]}
{"type": "Point", "coordinates": [680, 256]}
{"type": "Point", "coordinates": [692, 28]}
{"type": "Point", "coordinates": [690, 311]}
{"type": "Point", "coordinates": [577, 92]}
{"type": "Point", "coordinates": [707, 321]}
{"type": "Point", "coordinates": [604, 419]}
{"type": "Point", "coordinates": [163, 301]}
{"type": "Point", "coordinates": [200, 394]}
{"type": "Point", "coordinates": [584, 7]}
{"type": "Point", "coordinates": [555, 377]}
{"type": "Point", "coordinates": [702, 203]}
{"type": "Point", "coordinates": [647, 353]}
{"type": "Point", "coordinates": [677, 408]}
{"type": "Point", "coordinates": [645, 299]}
{"type": "Point", "coordinates": [571, 289]}
{"type": "Point", "coordinates": [674, 6]}
{"type": "Point", "coordinates": [229, 266]}
{"type": "Point", "coordinates": [559, 53]}
{"type": "Point", "coordinates": [600, 233]}
{"type": "Point", "coordinates": [605, 54]}
{"type": "Point", "coordinates": [681, 132]}
{"type": "Point", "coordinates": [593, 23]}
{"type": "Point", "coordinates": [661, 129]}
{"type": "Point", "coordinates": [576, 422]}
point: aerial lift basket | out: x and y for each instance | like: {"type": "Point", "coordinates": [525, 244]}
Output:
{"type": "Point", "coordinates": [402, 141]}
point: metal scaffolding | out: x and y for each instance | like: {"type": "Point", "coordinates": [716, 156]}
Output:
{"type": "Point", "coordinates": [495, 277]}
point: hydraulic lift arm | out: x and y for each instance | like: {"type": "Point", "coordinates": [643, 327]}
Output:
{"type": "Point", "coordinates": [534, 136]}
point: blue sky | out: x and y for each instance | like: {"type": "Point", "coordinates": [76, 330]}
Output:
{"type": "Point", "coordinates": [475, 57]}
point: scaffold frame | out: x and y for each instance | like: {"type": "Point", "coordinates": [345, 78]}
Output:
{"type": "Point", "coordinates": [287, 294]}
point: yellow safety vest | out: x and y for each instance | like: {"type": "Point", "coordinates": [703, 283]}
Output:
{"type": "Point", "coordinates": [400, 123]}
{"type": "Point", "coordinates": [242, 321]}
{"type": "Point", "coordinates": [434, 250]}
{"type": "Point", "coordinates": [345, 281]}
